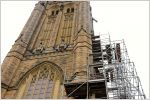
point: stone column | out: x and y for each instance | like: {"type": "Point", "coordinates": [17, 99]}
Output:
{"type": "Point", "coordinates": [82, 41]}
{"type": "Point", "coordinates": [80, 15]}
{"type": "Point", "coordinates": [56, 89]}
{"type": "Point", "coordinates": [74, 24]}
{"type": "Point", "coordinates": [84, 16]}
{"type": "Point", "coordinates": [21, 92]}
{"type": "Point", "coordinates": [82, 49]}
{"type": "Point", "coordinates": [32, 22]}
{"type": "Point", "coordinates": [89, 19]}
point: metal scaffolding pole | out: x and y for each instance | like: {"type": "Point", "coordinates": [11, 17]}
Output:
{"type": "Point", "coordinates": [119, 74]}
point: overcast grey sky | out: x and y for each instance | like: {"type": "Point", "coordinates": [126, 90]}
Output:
{"type": "Point", "coordinates": [128, 20]}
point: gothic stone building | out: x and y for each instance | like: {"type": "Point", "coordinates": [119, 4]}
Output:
{"type": "Point", "coordinates": [57, 56]}
{"type": "Point", "coordinates": [52, 50]}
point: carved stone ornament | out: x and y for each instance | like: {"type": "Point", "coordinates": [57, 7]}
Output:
{"type": "Point", "coordinates": [39, 49]}
{"type": "Point", "coordinates": [43, 3]}
{"type": "Point", "coordinates": [61, 47]}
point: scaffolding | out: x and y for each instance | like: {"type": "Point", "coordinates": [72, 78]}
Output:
{"type": "Point", "coordinates": [110, 76]}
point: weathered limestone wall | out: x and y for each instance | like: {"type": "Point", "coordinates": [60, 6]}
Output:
{"type": "Point", "coordinates": [14, 57]}
{"type": "Point", "coordinates": [73, 60]}
{"type": "Point", "coordinates": [62, 60]}
{"type": "Point", "coordinates": [82, 49]}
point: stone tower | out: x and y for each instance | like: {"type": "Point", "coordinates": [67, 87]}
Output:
{"type": "Point", "coordinates": [52, 49]}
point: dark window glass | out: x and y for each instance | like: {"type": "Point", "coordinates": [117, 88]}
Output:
{"type": "Point", "coordinates": [68, 10]}
{"type": "Point", "coordinates": [57, 12]}
{"type": "Point", "coordinates": [72, 9]}
{"type": "Point", "coordinates": [52, 12]}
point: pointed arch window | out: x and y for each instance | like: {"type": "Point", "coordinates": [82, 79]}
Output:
{"type": "Point", "coordinates": [40, 83]}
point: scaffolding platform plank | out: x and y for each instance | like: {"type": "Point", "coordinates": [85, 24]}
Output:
{"type": "Point", "coordinates": [94, 37]}
{"type": "Point", "coordinates": [79, 89]}
{"type": "Point", "coordinates": [97, 65]}
{"type": "Point", "coordinates": [96, 50]}
{"type": "Point", "coordinates": [112, 88]}
{"type": "Point", "coordinates": [95, 41]}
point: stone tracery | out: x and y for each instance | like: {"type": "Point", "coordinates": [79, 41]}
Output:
{"type": "Point", "coordinates": [40, 82]}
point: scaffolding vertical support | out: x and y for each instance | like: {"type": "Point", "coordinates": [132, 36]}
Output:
{"type": "Point", "coordinates": [87, 77]}
{"type": "Point", "coordinates": [104, 68]}
{"type": "Point", "coordinates": [114, 71]}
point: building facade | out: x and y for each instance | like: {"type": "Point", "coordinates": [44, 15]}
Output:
{"type": "Point", "coordinates": [52, 47]}
{"type": "Point", "coordinates": [57, 56]}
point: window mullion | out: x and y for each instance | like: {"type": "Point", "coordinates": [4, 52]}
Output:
{"type": "Point", "coordinates": [46, 84]}
{"type": "Point", "coordinates": [54, 84]}
{"type": "Point", "coordinates": [41, 83]}
{"type": "Point", "coordinates": [35, 83]}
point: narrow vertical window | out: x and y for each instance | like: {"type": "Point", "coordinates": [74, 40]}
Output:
{"type": "Point", "coordinates": [72, 10]}
{"type": "Point", "coordinates": [52, 13]}
{"type": "Point", "coordinates": [57, 12]}
{"type": "Point", "coordinates": [68, 10]}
